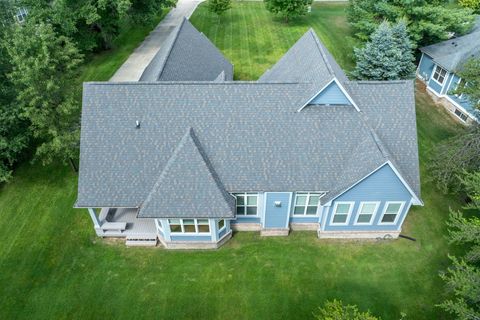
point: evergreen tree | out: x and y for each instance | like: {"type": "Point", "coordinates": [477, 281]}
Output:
{"type": "Point", "coordinates": [44, 66]}
{"type": "Point", "coordinates": [429, 21]}
{"type": "Point", "coordinates": [380, 59]}
{"type": "Point", "coordinates": [405, 46]}
{"type": "Point", "coordinates": [288, 8]}
{"type": "Point", "coordinates": [472, 4]}
{"type": "Point", "coordinates": [463, 277]}
{"type": "Point", "coordinates": [219, 6]}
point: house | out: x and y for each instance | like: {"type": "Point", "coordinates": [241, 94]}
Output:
{"type": "Point", "coordinates": [438, 68]}
{"type": "Point", "coordinates": [185, 162]}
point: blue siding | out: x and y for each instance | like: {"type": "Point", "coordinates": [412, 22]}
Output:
{"type": "Point", "coordinates": [332, 94]}
{"type": "Point", "coordinates": [241, 219]}
{"type": "Point", "coordinates": [222, 233]}
{"type": "Point", "coordinates": [304, 220]}
{"type": "Point", "coordinates": [382, 186]}
{"type": "Point", "coordinates": [277, 217]}
{"type": "Point", "coordinates": [435, 86]}
{"type": "Point", "coordinates": [192, 237]}
{"type": "Point", "coordinates": [425, 68]}
{"type": "Point", "coordinates": [467, 105]}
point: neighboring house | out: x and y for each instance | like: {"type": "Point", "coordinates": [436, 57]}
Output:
{"type": "Point", "coordinates": [11, 13]}
{"type": "Point", "coordinates": [302, 148]}
{"type": "Point", "coordinates": [439, 66]}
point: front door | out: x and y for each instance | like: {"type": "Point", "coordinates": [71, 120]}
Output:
{"type": "Point", "coordinates": [277, 210]}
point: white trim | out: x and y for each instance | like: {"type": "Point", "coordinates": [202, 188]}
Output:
{"type": "Point", "coordinates": [444, 78]}
{"type": "Point", "coordinates": [418, 68]}
{"type": "Point", "coordinates": [264, 209]}
{"type": "Point", "coordinates": [324, 87]}
{"type": "Point", "coordinates": [195, 224]}
{"type": "Point", "coordinates": [374, 213]}
{"type": "Point", "coordinates": [399, 212]}
{"type": "Point", "coordinates": [290, 209]}
{"type": "Point", "coordinates": [456, 105]}
{"type": "Point", "coordinates": [347, 220]}
{"type": "Point", "coordinates": [245, 205]}
{"type": "Point", "coordinates": [324, 218]}
{"type": "Point", "coordinates": [450, 83]}
{"type": "Point", "coordinates": [417, 200]}
{"type": "Point", "coordinates": [404, 216]}
{"type": "Point", "coordinates": [224, 225]}
{"type": "Point", "coordinates": [307, 194]}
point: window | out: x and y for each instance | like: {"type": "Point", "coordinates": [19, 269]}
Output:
{"type": "Point", "coordinates": [439, 74]}
{"type": "Point", "coordinates": [391, 212]}
{"type": "Point", "coordinates": [341, 213]}
{"type": "Point", "coordinates": [21, 15]}
{"type": "Point", "coordinates": [189, 225]}
{"type": "Point", "coordinates": [461, 115]}
{"type": "Point", "coordinates": [246, 204]}
{"type": "Point", "coordinates": [366, 212]}
{"type": "Point", "coordinates": [306, 203]}
{"type": "Point", "coordinates": [221, 224]}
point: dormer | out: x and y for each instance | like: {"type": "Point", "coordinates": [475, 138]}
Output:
{"type": "Point", "coordinates": [332, 94]}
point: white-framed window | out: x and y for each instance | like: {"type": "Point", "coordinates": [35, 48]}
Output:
{"type": "Point", "coordinates": [221, 224]}
{"type": "Point", "coordinates": [341, 213]}
{"type": "Point", "coordinates": [391, 212]}
{"type": "Point", "coordinates": [247, 204]}
{"type": "Point", "coordinates": [306, 204]}
{"type": "Point", "coordinates": [460, 114]}
{"type": "Point", "coordinates": [439, 74]}
{"type": "Point", "coordinates": [366, 213]}
{"type": "Point", "coordinates": [21, 15]}
{"type": "Point", "coordinates": [189, 225]}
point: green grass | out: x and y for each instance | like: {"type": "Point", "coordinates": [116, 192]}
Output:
{"type": "Point", "coordinates": [52, 266]}
{"type": "Point", "coordinates": [254, 41]}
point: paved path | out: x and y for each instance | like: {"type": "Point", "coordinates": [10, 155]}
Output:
{"type": "Point", "coordinates": [132, 69]}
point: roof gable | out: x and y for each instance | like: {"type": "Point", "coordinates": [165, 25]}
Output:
{"type": "Point", "coordinates": [332, 93]}
{"type": "Point", "coordinates": [188, 186]}
{"type": "Point", "coordinates": [187, 55]}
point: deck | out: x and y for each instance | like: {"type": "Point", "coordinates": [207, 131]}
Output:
{"type": "Point", "coordinates": [136, 227]}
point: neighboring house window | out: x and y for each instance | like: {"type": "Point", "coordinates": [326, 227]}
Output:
{"type": "Point", "coordinates": [306, 203]}
{"type": "Point", "coordinates": [246, 204]}
{"type": "Point", "coordinates": [221, 224]}
{"type": "Point", "coordinates": [189, 225]}
{"type": "Point", "coordinates": [439, 74]}
{"type": "Point", "coordinates": [21, 15]}
{"type": "Point", "coordinates": [341, 213]}
{"type": "Point", "coordinates": [461, 115]}
{"type": "Point", "coordinates": [366, 212]}
{"type": "Point", "coordinates": [391, 212]}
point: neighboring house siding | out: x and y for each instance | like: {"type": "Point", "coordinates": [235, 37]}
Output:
{"type": "Point", "coordinates": [277, 217]}
{"type": "Point", "coordinates": [425, 68]}
{"type": "Point", "coordinates": [381, 186]}
{"type": "Point", "coordinates": [435, 86]}
{"type": "Point", "coordinates": [332, 94]}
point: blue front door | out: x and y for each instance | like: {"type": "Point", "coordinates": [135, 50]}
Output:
{"type": "Point", "coordinates": [277, 210]}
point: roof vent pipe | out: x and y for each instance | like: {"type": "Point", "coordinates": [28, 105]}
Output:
{"type": "Point", "coordinates": [137, 124]}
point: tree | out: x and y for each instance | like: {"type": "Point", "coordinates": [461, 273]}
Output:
{"type": "Point", "coordinates": [428, 21]}
{"type": "Point", "coordinates": [470, 85]}
{"type": "Point", "coordinates": [387, 56]}
{"type": "Point", "coordinates": [44, 66]}
{"type": "Point", "coordinates": [14, 133]}
{"type": "Point", "coordinates": [453, 157]}
{"type": "Point", "coordinates": [472, 4]}
{"type": "Point", "coordinates": [219, 6]}
{"type": "Point", "coordinates": [336, 310]}
{"type": "Point", "coordinates": [288, 8]}
{"type": "Point", "coordinates": [462, 278]}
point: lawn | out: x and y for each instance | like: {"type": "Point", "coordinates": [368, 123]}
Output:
{"type": "Point", "coordinates": [52, 266]}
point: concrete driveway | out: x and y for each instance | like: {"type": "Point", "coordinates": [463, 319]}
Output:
{"type": "Point", "coordinates": [132, 69]}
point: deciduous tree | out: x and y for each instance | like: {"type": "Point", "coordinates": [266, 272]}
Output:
{"type": "Point", "coordinates": [288, 8]}
{"type": "Point", "coordinates": [336, 310]}
{"type": "Point", "coordinates": [219, 6]}
{"type": "Point", "coordinates": [470, 85]}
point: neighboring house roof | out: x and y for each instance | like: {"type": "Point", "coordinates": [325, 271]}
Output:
{"type": "Point", "coordinates": [188, 170]}
{"type": "Point", "coordinates": [187, 55]}
{"type": "Point", "coordinates": [252, 136]}
{"type": "Point", "coordinates": [453, 53]}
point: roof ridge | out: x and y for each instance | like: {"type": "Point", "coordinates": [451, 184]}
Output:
{"type": "Point", "coordinates": [324, 55]}
{"type": "Point", "coordinates": [176, 34]}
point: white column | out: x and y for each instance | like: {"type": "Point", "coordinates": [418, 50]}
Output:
{"type": "Point", "coordinates": [214, 229]}
{"type": "Point", "coordinates": [95, 221]}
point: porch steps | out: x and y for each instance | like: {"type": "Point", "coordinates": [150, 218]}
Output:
{"type": "Point", "coordinates": [141, 240]}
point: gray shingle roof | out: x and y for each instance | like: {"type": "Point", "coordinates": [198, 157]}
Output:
{"type": "Point", "coordinates": [188, 183]}
{"type": "Point", "coordinates": [252, 137]}
{"type": "Point", "coordinates": [306, 61]}
{"type": "Point", "coordinates": [187, 55]}
{"type": "Point", "coordinates": [451, 54]}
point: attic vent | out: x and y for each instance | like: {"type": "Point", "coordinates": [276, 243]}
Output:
{"type": "Point", "coordinates": [137, 124]}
